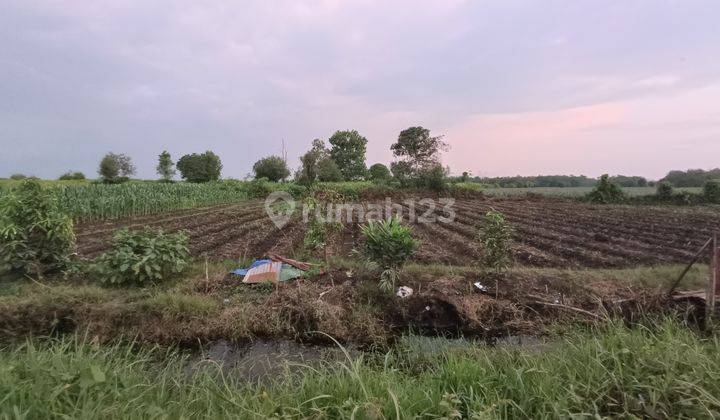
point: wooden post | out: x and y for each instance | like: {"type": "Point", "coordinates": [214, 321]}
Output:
{"type": "Point", "coordinates": [713, 286]}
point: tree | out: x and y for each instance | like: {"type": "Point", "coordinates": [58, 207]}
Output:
{"type": "Point", "coordinates": [606, 192]}
{"type": "Point", "coordinates": [202, 167]}
{"type": "Point", "coordinates": [308, 172]}
{"type": "Point", "coordinates": [379, 173]}
{"type": "Point", "coordinates": [664, 191]}
{"type": "Point", "coordinates": [348, 152]}
{"type": "Point", "coordinates": [388, 244]}
{"type": "Point", "coordinates": [72, 176]}
{"type": "Point", "coordinates": [116, 168]}
{"type": "Point", "coordinates": [328, 171]}
{"type": "Point", "coordinates": [416, 146]}
{"type": "Point", "coordinates": [165, 166]}
{"type": "Point", "coordinates": [273, 168]}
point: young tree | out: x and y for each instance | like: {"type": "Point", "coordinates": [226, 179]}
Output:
{"type": "Point", "coordinates": [379, 173]}
{"type": "Point", "coordinates": [308, 172]}
{"type": "Point", "coordinates": [202, 167]}
{"type": "Point", "coordinates": [115, 168]}
{"type": "Point", "coordinates": [328, 171]}
{"type": "Point", "coordinates": [165, 167]}
{"type": "Point", "coordinates": [495, 240]}
{"type": "Point", "coordinates": [348, 151]}
{"type": "Point", "coordinates": [273, 168]}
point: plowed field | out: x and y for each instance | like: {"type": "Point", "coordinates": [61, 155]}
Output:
{"type": "Point", "coordinates": [548, 233]}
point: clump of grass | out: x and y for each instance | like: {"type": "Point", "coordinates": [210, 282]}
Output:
{"type": "Point", "coordinates": [664, 371]}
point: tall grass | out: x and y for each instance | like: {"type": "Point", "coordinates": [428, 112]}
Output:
{"type": "Point", "coordinates": [667, 371]}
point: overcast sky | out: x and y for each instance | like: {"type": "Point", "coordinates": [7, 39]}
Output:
{"type": "Point", "coordinates": [522, 87]}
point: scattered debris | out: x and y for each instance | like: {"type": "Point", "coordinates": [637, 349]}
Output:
{"type": "Point", "coordinates": [481, 287]}
{"type": "Point", "coordinates": [404, 291]}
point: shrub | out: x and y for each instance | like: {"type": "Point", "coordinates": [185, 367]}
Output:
{"type": "Point", "coordinates": [664, 191]}
{"type": "Point", "coordinates": [495, 241]}
{"type": "Point", "coordinates": [606, 192]}
{"type": "Point", "coordinates": [273, 168]}
{"type": "Point", "coordinates": [711, 191]}
{"type": "Point", "coordinates": [143, 256]}
{"type": "Point", "coordinates": [379, 173]}
{"type": "Point", "coordinates": [388, 244]}
{"type": "Point", "coordinates": [18, 177]}
{"type": "Point", "coordinates": [72, 176]}
{"type": "Point", "coordinates": [35, 236]}
{"type": "Point", "coordinates": [433, 177]}
{"type": "Point", "coordinates": [202, 167]}
{"type": "Point", "coordinates": [259, 188]}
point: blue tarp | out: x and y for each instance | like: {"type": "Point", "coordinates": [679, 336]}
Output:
{"type": "Point", "coordinates": [256, 263]}
{"type": "Point", "coordinates": [288, 272]}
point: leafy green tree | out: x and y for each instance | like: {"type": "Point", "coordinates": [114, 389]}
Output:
{"type": "Point", "coordinates": [35, 235]}
{"type": "Point", "coordinates": [18, 177]}
{"type": "Point", "coordinates": [116, 168]}
{"type": "Point", "coordinates": [165, 167]}
{"type": "Point", "coordinates": [495, 241]}
{"type": "Point", "coordinates": [308, 172]}
{"type": "Point", "coordinates": [273, 168]}
{"type": "Point", "coordinates": [72, 176]}
{"type": "Point", "coordinates": [416, 146]}
{"type": "Point", "coordinates": [202, 167]}
{"type": "Point", "coordinates": [348, 151]}
{"type": "Point", "coordinates": [379, 173]}
{"type": "Point", "coordinates": [328, 171]}
{"type": "Point", "coordinates": [606, 192]}
{"type": "Point", "coordinates": [711, 191]}
{"type": "Point", "coordinates": [402, 171]}
{"type": "Point", "coordinates": [664, 191]}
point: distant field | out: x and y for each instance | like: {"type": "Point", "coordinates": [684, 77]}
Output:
{"type": "Point", "coordinates": [574, 191]}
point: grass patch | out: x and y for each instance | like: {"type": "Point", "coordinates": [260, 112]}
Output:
{"type": "Point", "coordinates": [665, 371]}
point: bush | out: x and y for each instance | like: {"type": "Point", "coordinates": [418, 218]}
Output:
{"type": "Point", "coordinates": [711, 191]}
{"type": "Point", "coordinates": [202, 167]}
{"type": "Point", "coordinates": [72, 176]}
{"type": "Point", "coordinates": [35, 236]}
{"type": "Point", "coordinates": [388, 244]}
{"type": "Point", "coordinates": [606, 192]}
{"type": "Point", "coordinates": [259, 188]}
{"type": "Point", "coordinates": [18, 177]}
{"type": "Point", "coordinates": [273, 168]}
{"type": "Point", "coordinates": [379, 173]}
{"type": "Point", "coordinates": [143, 256]}
{"type": "Point", "coordinates": [664, 191]}
{"type": "Point", "coordinates": [433, 177]}
{"type": "Point", "coordinates": [495, 240]}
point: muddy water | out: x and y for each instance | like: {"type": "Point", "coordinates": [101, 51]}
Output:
{"type": "Point", "coordinates": [264, 359]}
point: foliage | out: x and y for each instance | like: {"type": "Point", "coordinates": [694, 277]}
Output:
{"type": "Point", "coordinates": [348, 151]}
{"type": "Point", "coordinates": [202, 167]}
{"type": "Point", "coordinates": [72, 176]}
{"type": "Point", "coordinates": [664, 191]}
{"type": "Point", "coordinates": [18, 177]}
{"type": "Point", "coordinates": [691, 177]}
{"type": "Point", "coordinates": [328, 171]}
{"type": "Point", "coordinates": [35, 235]}
{"type": "Point", "coordinates": [711, 191]}
{"type": "Point", "coordinates": [495, 241]}
{"type": "Point", "coordinates": [272, 168]}
{"type": "Point", "coordinates": [606, 192]}
{"type": "Point", "coordinates": [388, 244]}
{"type": "Point", "coordinates": [165, 167]}
{"type": "Point", "coordinates": [629, 181]}
{"type": "Point", "coordinates": [259, 188]}
{"type": "Point", "coordinates": [143, 256]}
{"type": "Point", "coordinates": [379, 173]}
{"type": "Point", "coordinates": [308, 172]}
{"type": "Point", "coordinates": [418, 147]}
{"type": "Point", "coordinates": [402, 172]}
{"type": "Point", "coordinates": [115, 168]}
{"type": "Point", "coordinates": [432, 177]}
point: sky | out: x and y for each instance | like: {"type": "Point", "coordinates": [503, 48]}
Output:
{"type": "Point", "coordinates": [516, 87]}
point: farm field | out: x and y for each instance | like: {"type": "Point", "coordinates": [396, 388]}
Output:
{"type": "Point", "coordinates": [575, 191]}
{"type": "Point", "coordinates": [547, 233]}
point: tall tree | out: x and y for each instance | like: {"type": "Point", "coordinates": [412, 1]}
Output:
{"type": "Point", "coordinates": [115, 167]}
{"type": "Point", "coordinates": [202, 167]}
{"type": "Point", "coordinates": [348, 152]}
{"type": "Point", "coordinates": [272, 167]}
{"type": "Point", "coordinates": [416, 146]}
{"type": "Point", "coordinates": [165, 166]}
{"type": "Point", "coordinates": [308, 172]}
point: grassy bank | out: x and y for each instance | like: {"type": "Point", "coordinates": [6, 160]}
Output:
{"type": "Point", "coordinates": [666, 371]}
